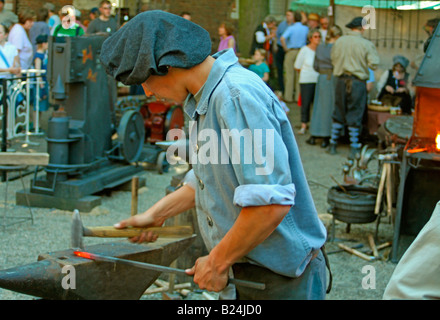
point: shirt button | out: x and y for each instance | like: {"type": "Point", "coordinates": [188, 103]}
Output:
{"type": "Point", "coordinates": [210, 222]}
{"type": "Point", "coordinates": [201, 184]}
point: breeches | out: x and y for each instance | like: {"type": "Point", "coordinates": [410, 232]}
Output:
{"type": "Point", "coordinates": [350, 101]}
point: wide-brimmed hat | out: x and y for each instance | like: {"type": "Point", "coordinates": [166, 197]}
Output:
{"type": "Point", "coordinates": [150, 43]}
{"type": "Point", "coordinates": [355, 23]}
{"type": "Point", "coordinates": [313, 16]}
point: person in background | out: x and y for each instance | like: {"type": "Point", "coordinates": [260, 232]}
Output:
{"type": "Point", "coordinates": [9, 58]}
{"type": "Point", "coordinates": [323, 28]}
{"type": "Point", "coordinates": [394, 86]}
{"type": "Point", "coordinates": [40, 63]}
{"type": "Point", "coordinates": [279, 95]}
{"type": "Point", "coordinates": [307, 75]}
{"type": "Point", "coordinates": [68, 26]}
{"type": "Point", "coordinates": [7, 18]}
{"type": "Point", "coordinates": [78, 20]}
{"type": "Point", "coordinates": [429, 28]}
{"type": "Point", "coordinates": [324, 100]}
{"type": "Point", "coordinates": [19, 38]}
{"type": "Point", "coordinates": [54, 19]}
{"type": "Point", "coordinates": [351, 55]}
{"type": "Point", "coordinates": [105, 23]}
{"type": "Point", "coordinates": [227, 40]}
{"type": "Point", "coordinates": [40, 26]}
{"type": "Point", "coordinates": [93, 14]}
{"type": "Point", "coordinates": [313, 21]}
{"type": "Point", "coordinates": [371, 80]}
{"type": "Point", "coordinates": [280, 53]}
{"type": "Point", "coordinates": [186, 15]}
{"type": "Point", "coordinates": [263, 36]}
{"type": "Point", "coordinates": [260, 67]}
{"type": "Point", "coordinates": [292, 40]}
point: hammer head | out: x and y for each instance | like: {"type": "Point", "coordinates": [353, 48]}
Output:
{"type": "Point", "coordinates": [76, 240]}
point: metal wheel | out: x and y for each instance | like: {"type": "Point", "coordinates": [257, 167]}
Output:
{"type": "Point", "coordinates": [131, 135]}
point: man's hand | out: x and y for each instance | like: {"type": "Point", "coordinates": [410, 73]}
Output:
{"type": "Point", "coordinates": [252, 227]}
{"type": "Point", "coordinates": [143, 220]}
{"type": "Point", "coordinates": [206, 276]}
{"type": "Point", "coordinates": [172, 204]}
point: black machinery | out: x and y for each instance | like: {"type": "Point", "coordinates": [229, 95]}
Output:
{"type": "Point", "coordinates": [89, 149]}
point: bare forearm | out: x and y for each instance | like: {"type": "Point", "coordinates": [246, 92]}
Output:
{"type": "Point", "coordinates": [174, 203]}
{"type": "Point", "coordinates": [252, 227]}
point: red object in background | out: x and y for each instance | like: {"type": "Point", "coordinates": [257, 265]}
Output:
{"type": "Point", "coordinates": [426, 123]}
{"type": "Point", "coordinates": [299, 100]}
{"type": "Point", "coordinates": [161, 117]}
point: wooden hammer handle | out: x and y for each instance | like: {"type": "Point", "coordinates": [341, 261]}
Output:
{"type": "Point", "coordinates": [112, 232]}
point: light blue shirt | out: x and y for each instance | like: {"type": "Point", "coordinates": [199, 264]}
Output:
{"type": "Point", "coordinates": [236, 98]}
{"type": "Point", "coordinates": [280, 30]}
{"type": "Point", "coordinates": [296, 35]}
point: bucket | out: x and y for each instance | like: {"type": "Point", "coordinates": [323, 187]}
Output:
{"type": "Point", "coordinates": [354, 206]}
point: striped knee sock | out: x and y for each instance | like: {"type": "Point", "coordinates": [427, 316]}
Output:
{"type": "Point", "coordinates": [336, 129]}
{"type": "Point", "coordinates": [354, 133]}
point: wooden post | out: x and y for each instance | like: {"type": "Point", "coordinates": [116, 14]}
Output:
{"type": "Point", "coordinates": [331, 14]}
{"type": "Point", "coordinates": [134, 195]}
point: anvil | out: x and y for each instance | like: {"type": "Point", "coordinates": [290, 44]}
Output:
{"type": "Point", "coordinates": [62, 275]}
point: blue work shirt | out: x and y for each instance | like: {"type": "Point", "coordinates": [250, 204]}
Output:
{"type": "Point", "coordinates": [296, 35]}
{"type": "Point", "coordinates": [236, 98]}
{"type": "Point", "coordinates": [280, 30]}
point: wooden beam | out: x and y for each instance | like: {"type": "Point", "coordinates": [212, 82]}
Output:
{"type": "Point", "coordinates": [24, 158]}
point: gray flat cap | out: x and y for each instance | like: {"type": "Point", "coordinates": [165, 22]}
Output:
{"type": "Point", "coordinates": [152, 41]}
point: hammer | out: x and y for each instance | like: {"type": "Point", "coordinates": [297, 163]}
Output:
{"type": "Point", "coordinates": [79, 231]}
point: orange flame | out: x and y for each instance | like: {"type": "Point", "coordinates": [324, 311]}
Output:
{"type": "Point", "coordinates": [437, 141]}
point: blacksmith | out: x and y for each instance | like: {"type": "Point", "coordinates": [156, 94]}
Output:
{"type": "Point", "coordinates": [351, 57]}
{"type": "Point", "coordinates": [258, 223]}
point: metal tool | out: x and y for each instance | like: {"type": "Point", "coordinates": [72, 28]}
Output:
{"type": "Point", "coordinates": [159, 268]}
{"type": "Point", "coordinates": [78, 231]}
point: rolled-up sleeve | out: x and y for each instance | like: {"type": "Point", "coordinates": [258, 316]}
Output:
{"type": "Point", "coordinates": [190, 179]}
{"type": "Point", "coordinates": [246, 196]}
{"type": "Point", "coordinates": [267, 179]}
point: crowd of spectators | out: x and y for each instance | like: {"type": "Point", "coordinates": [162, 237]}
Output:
{"type": "Point", "coordinates": [295, 57]}
{"type": "Point", "coordinates": [24, 39]}
{"type": "Point", "coordinates": [329, 72]}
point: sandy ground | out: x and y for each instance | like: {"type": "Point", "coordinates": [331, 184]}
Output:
{"type": "Point", "coordinates": [22, 243]}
